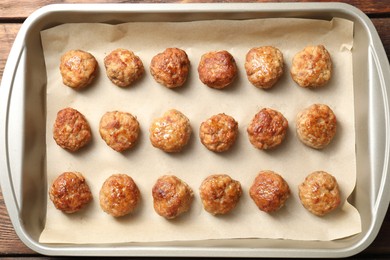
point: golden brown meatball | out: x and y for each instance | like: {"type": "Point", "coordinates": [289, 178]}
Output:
{"type": "Point", "coordinates": [220, 193]}
{"type": "Point", "coordinates": [316, 126]}
{"type": "Point", "coordinates": [217, 69]}
{"type": "Point", "coordinates": [171, 196]}
{"type": "Point", "coordinates": [319, 193]}
{"type": "Point", "coordinates": [269, 191]}
{"type": "Point", "coordinates": [264, 66]}
{"type": "Point", "coordinates": [267, 129]}
{"type": "Point", "coordinates": [312, 67]}
{"type": "Point", "coordinates": [70, 192]}
{"type": "Point", "coordinates": [71, 130]}
{"type": "Point", "coordinates": [170, 132]}
{"type": "Point", "coordinates": [119, 130]}
{"type": "Point", "coordinates": [123, 67]}
{"type": "Point", "coordinates": [78, 68]}
{"type": "Point", "coordinates": [219, 132]}
{"type": "Point", "coordinates": [119, 195]}
{"type": "Point", "coordinates": [170, 68]}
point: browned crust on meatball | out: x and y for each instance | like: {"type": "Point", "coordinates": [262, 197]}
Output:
{"type": "Point", "coordinates": [171, 196]}
{"type": "Point", "coordinates": [70, 192]}
{"type": "Point", "coordinates": [264, 66]}
{"type": "Point", "coordinates": [319, 193]}
{"type": "Point", "coordinates": [217, 69]}
{"type": "Point", "coordinates": [78, 68]}
{"type": "Point", "coordinates": [269, 191]}
{"type": "Point", "coordinates": [170, 132]}
{"type": "Point", "coordinates": [119, 130]}
{"type": "Point", "coordinates": [123, 67]}
{"type": "Point", "coordinates": [119, 195]}
{"type": "Point", "coordinates": [219, 132]}
{"type": "Point", "coordinates": [316, 126]}
{"type": "Point", "coordinates": [170, 68]}
{"type": "Point", "coordinates": [267, 129]}
{"type": "Point", "coordinates": [71, 130]}
{"type": "Point", "coordinates": [312, 67]}
{"type": "Point", "coordinates": [220, 194]}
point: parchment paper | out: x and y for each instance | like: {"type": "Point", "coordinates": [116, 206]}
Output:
{"type": "Point", "coordinates": [147, 100]}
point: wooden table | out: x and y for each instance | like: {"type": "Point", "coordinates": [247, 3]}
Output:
{"type": "Point", "coordinates": [12, 15]}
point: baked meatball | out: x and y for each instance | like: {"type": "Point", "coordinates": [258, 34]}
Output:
{"type": "Point", "coordinates": [312, 67]}
{"type": "Point", "coordinates": [269, 191]}
{"type": "Point", "coordinates": [71, 130]}
{"type": "Point", "coordinates": [267, 129]}
{"type": "Point", "coordinates": [219, 132]}
{"type": "Point", "coordinates": [78, 68]}
{"type": "Point", "coordinates": [217, 69]}
{"type": "Point", "coordinates": [170, 132]}
{"type": "Point", "coordinates": [170, 68]}
{"type": "Point", "coordinates": [316, 126]}
{"type": "Point", "coordinates": [123, 67]}
{"type": "Point", "coordinates": [119, 130]}
{"type": "Point", "coordinates": [171, 196]}
{"type": "Point", "coordinates": [220, 194]}
{"type": "Point", "coordinates": [70, 192]}
{"type": "Point", "coordinates": [319, 193]}
{"type": "Point", "coordinates": [264, 66]}
{"type": "Point", "coordinates": [119, 195]}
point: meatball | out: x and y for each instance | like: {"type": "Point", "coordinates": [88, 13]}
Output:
{"type": "Point", "coordinates": [123, 67]}
{"type": "Point", "coordinates": [71, 130]}
{"type": "Point", "coordinates": [219, 132]}
{"type": "Point", "coordinates": [170, 68]}
{"type": "Point", "coordinates": [119, 130]}
{"type": "Point", "coordinates": [312, 67]}
{"type": "Point", "coordinates": [119, 195]}
{"type": "Point", "coordinates": [316, 126]}
{"type": "Point", "coordinates": [171, 196]}
{"type": "Point", "coordinates": [269, 191]}
{"type": "Point", "coordinates": [319, 193]}
{"type": "Point", "coordinates": [78, 68]}
{"type": "Point", "coordinates": [220, 194]}
{"type": "Point", "coordinates": [217, 69]}
{"type": "Point", "coordinates": [170, 132]}
{"type": "Point", "coordinates": [267, 129]}
{"type": "Point", "coordinates": [70, 192]}
{"type": "Point", "coordinates": [264, 66]}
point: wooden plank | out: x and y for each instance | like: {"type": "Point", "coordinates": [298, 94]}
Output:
{"type": "Point", "coordinates": [7, 36]}
{"type": "Point", "coordinates": [382, 25]}
{"type": "Point", "coordinates": [10, 9]}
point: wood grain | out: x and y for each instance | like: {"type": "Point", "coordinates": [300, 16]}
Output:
{"type": "Point", "coordinates": [7, 36]}
{"type": "Point", "coordinates": [18, 10]}
{"type": "Point", "coordinates": [382, 25]}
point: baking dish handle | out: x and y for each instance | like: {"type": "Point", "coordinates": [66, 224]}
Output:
{"type": "Point", "coordinates": [382, 71]}
{"type": "Point", "coordinates": [6, 149]}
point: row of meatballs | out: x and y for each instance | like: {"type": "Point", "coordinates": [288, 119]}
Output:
{"type": "Point", "coordinates": [315, 127]}
{"type": "Point", "coordinates": [119, 195]}
{"type": "Point", "coordinates": [311, 67]}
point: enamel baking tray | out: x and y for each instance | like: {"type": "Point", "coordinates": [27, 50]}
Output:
{"type": "Point", "coordinates": [22, 128]}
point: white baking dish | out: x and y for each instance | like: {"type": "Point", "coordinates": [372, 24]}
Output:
{"type": "Point", "coordinates": [22, 154]}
